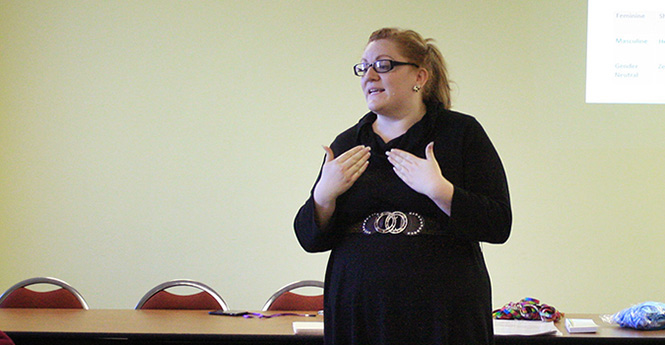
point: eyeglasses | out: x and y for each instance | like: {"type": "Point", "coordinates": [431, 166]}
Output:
{"type": "Point", "coordinates": [380, 66]}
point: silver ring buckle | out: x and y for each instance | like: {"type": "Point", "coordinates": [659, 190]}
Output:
{"type": "Point", "coordinates": [393, 223]}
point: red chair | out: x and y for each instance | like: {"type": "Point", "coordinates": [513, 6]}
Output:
{"type": "Point", "coordinates": [159, 298]}
{"type": "Point", "coordinates": [285, 299]}
{"type": "Point", "coordinates": [5, 340]}
{"type": "Point", "coordinates": [65, 296]}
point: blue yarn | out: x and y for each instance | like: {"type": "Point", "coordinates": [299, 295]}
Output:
{"type": "Point", "coordinates": [644, 316]}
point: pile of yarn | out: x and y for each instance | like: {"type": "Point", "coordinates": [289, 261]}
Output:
{"type": "Point", "coordinates": [644, 316]}
{"type": "Point", "coordinates": [527, 309]}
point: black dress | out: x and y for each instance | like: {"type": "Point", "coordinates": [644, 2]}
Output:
{"type": "Point", "coordinates": [425, 288]}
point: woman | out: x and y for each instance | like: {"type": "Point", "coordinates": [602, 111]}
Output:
{"type": "Point", "coordinates": [403, 199]}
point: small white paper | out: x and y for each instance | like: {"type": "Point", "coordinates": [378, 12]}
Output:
{"type": "Point", "coordinates": [308, 327]}
{"type": "Point", "coordinates": [524, 328]}
{"type": "Point", "coordinates": [581, 326]}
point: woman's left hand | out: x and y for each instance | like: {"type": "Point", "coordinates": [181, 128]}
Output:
{"type": "Point", "coordinates": [423, 175]}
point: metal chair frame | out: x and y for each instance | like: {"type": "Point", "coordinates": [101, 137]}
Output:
{"type": "Point", "coordinates": [182, 282]}
{"type": "Point", "coordinates": [46, 280]}
{"type": "Point", "coordinates": [289, 287]}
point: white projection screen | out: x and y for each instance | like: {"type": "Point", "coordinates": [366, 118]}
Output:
{"type": "Point", "coordinates": [626, 51]}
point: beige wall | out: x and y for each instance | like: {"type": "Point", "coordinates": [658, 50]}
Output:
{"type": "Point", "coordinates": [142, 141]}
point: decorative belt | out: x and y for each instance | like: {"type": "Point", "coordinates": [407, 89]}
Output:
{"type": "Point", "coordinates": [394, 223]}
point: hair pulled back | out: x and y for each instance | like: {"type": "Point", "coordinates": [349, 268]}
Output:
{"type": "Point", "coordinates": [425, 54]}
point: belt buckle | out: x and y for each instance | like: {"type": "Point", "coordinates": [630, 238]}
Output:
{"type": "Point", "coordinates": [393, 223]}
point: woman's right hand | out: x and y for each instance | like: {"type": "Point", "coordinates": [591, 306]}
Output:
{"type": "Point", "coordinates": [337, 176]}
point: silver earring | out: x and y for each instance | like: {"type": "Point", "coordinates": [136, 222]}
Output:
{"type": "Point", "coordinates": [416, 88]}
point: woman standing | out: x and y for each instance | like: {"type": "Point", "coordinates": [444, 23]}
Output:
{"type": "Point", "coordinates": [403, 199]}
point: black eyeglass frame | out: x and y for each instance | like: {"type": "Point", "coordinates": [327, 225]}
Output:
{"type": "Point", "coordinates": [367, 65]}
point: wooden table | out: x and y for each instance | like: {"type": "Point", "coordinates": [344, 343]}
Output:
{"type": "Point", "coordinates": [95, 326]}
{"type": "Point", "coordinates": [66, 326]}
{"type": "Point", "coordinates": [606, 334]}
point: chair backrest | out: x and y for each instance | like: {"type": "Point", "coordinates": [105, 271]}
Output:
{"type": "Point", "coordinates": [285, 299]}
{"type": "Point", "coordinates": [159, 298]}
{"type": "Point", "coordinates": [65, 296]}
{"type": "Point", "coordinates": [5, 340]}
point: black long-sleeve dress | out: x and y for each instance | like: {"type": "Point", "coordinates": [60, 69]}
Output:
{"type": "Point", "coordinates": [429, 288]}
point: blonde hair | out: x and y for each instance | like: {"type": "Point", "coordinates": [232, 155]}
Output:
{"type": "Point", "coordinates": [425, 54]}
